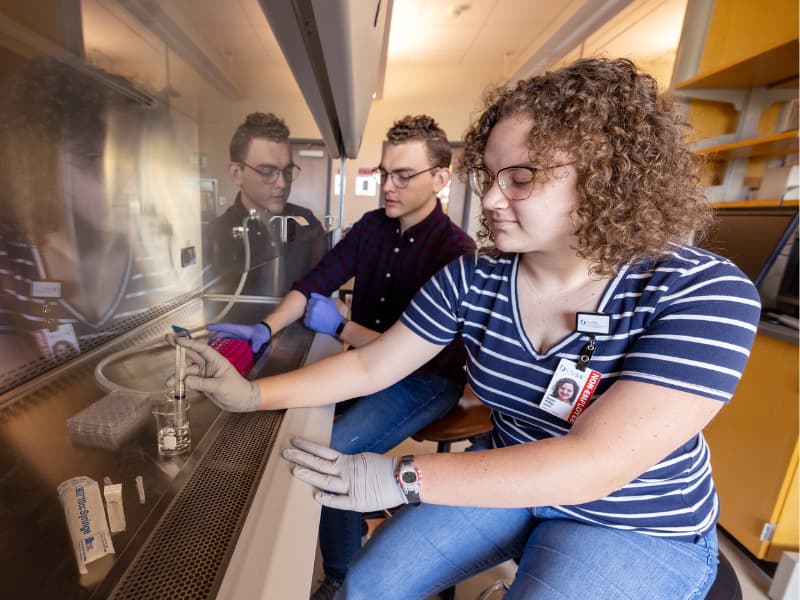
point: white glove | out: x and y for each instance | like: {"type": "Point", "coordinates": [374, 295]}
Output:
{"type": "Point", "coordinates": [218, 379]}
{"type": "Point", "coordinates": [361, 482]}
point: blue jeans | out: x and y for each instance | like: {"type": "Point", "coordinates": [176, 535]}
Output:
{"type": "Point", "coordinates": [377, 423]}
{"type": "Point", "coordinates": [424, 549]}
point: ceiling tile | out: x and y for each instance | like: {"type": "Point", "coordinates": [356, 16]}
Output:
{"type": "Point", "coordinates": [212, 12]}
{"type": "Point", "coordinates": [496, 42]}
{"type": "Point", "coordinates": [443, 12]}
{"type": "Point", "coordinates": [506, 12]}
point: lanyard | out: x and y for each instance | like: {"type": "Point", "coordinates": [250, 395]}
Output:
{"type": "Point", "coordinates": [586, 354]}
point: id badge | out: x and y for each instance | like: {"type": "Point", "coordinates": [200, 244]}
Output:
{"type": "Point", "coordinates": [570, 390]}
{"type": "Point", "coordinates": [59, 344]}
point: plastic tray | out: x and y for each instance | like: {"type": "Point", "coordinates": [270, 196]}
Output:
{"type": "Point", "coordinates": [111, 421]}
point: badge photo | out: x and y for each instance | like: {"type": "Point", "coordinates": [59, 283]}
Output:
{"type": "Point", "coordinates": [569, 391]}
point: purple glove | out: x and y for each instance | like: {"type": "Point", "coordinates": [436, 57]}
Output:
{"type": "Point", "coordinates": [322, 314]}
{"type": "Point", "coordinates": [256, 335]}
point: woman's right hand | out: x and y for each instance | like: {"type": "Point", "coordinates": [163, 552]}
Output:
{"type": "Point", "coordinates": [217, 378]}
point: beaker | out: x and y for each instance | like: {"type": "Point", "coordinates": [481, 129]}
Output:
{"type": "Point", "coordinates": [172, 424]}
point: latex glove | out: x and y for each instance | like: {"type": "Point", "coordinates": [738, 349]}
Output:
{"type": "Point", "coordinates": [361, 482]}
{"type": "Point", "coordinates": [256, 335]}
{"type": "Point", "coordinates": [212, 374]}
{"type": "Point", "coordinates": [322, 314]}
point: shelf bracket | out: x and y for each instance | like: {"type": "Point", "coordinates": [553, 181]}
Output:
{"type": "Point", "coordinates": [767, 531]}
{"type": "Point", "coordinates": [733, 96]}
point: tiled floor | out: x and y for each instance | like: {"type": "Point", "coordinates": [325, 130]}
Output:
{"type": "Point", "coordinates": [753, 580]}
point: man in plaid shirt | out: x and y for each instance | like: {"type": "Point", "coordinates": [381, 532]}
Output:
{"type": "Point", "coordinates": [391, 252]}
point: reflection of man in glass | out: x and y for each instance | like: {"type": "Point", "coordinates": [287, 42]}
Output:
{"type": "Point", "coordinates": [565, 390]}
{"type": "Point", "coordinates": [261, 166]}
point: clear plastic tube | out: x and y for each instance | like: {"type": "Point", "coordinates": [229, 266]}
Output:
{"type": "Point", "coordinates": [180, 372]}
{"type": "Point", "coordinates": [110, 386]}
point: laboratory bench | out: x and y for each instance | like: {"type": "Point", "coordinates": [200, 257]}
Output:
{"type": "Point", "coordinates": [225, 520]}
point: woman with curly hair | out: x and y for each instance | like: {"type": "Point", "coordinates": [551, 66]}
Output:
{"type": "Point", "coordinates": [589, 200]}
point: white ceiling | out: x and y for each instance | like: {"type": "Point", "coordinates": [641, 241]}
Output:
{"type": "Point", "coordinates": [502, 34]}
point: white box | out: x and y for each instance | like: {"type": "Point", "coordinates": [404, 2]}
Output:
{"type": "Point", "coordinates": [786, 582]}
{"type": "Point", "coordinates": [775, 182]}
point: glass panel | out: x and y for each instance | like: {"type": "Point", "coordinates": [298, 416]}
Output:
{"type": "Point", "coordinates": [112, 160]}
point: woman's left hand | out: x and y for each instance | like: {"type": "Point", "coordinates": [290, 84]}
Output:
{"type": "Point", "coordinates": [361, 482]}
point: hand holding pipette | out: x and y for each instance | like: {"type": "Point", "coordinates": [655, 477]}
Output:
{"type": "Point", "coordinates": [217, 378]}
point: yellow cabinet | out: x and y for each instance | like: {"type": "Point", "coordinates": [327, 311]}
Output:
{"type": "Point", "coordinates": [741, 90]}
{"type": "Point", "coordinates": [738, 68]}
{"type": "Point", "coordinates": [754, 451]}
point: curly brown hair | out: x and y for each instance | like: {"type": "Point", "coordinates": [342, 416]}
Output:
{"type": "Point", "coordinates": [257, 125]}
{"type": "Point", "coordinates": [638, 183]}
{"type": "Point", "coordinates": [426, 129]}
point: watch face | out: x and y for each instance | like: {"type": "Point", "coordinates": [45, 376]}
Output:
{"type": "Point", "coordinates": [408, 476]}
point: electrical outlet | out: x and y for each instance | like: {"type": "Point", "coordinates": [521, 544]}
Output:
{"type": "Point", "coordinates": [188, 256]}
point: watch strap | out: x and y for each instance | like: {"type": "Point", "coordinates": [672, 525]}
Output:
{"type": "Point", "coordinates": [269, 329]}
{"type": "Point", "coordinates": [340, 329]}
{"type": "Point", "coordinates": [409, 489]}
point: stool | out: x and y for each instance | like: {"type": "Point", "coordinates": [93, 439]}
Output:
{"type": "Point", "coordinates": [726, 585]}
{"type": "Point", "coordinates": [465, 421]}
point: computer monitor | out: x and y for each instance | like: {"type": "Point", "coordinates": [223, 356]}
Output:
{"type": "Point", "coordinates": [762, 242]}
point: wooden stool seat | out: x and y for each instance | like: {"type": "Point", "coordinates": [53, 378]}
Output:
{"type": "Point", "coordinates": [469, 418]}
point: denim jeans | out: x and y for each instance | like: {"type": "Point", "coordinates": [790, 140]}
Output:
{"type": "Point", "coordinates": [424, 549]}
{"type": "Point", "coordinates": [377, 423]}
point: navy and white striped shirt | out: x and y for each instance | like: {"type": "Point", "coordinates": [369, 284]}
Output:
{"type": "Point", "coordinates": [686, 322]}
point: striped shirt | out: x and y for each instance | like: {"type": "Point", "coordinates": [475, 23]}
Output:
{"type": "Point", "coordinates": [145, 283]}
{"type": "Point", "coordinates": [686, 322]}
{"type": "Point", "coordinates": [389, 268]}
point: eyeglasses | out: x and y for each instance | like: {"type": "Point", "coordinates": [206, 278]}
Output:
{"type": "Point", "coordinates": [269, 173]}
{"type": "Point", "coordinates": [516, 183]}
{"type": "Point", "coordinates": [399, 178]}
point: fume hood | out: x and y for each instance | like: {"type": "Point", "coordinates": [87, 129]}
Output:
{"type": "Point", "coordinates": [336, 50]}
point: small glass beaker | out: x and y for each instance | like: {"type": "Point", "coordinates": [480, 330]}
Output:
{"type": "Point", "coordinates": [172, 424]}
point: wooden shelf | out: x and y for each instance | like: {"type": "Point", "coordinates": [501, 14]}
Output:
{"type": "Point", "coordinates": [778, 144]}
{"type": "Point", "coordinates": [755, 203]}
{"type": "Point", "coordinates": [771, 67]}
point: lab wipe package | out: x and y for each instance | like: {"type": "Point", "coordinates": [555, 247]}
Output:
{"type": "Point", "coordinates": [111, 421]}
{"type": "Point", "coordinates": [86, 520]}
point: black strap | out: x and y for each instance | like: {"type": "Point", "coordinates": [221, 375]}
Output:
{"type": "Point", "coordinates": [265, 324]}
{"type": "Point", "coordinates": [586, 354]}
{"type": "Point", "coordinates": [340, 328]}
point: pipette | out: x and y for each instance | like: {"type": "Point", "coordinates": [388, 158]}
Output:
{"type": "Point", "coordinates": [180, 364]}
{"type": "Point", "coordinates": [179, 392]}
{"type": "Point", "coordinates": [180, 372]}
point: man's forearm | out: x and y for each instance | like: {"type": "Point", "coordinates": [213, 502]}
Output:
{"type": "Point", "coordinates": [357, 335]}
{"type": "Point", "coordinates": [291, 308]}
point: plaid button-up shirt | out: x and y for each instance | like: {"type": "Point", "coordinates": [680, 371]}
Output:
{"type": "Point", "coordinates": [389, 268]}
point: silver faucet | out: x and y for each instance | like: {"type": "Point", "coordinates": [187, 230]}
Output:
{"type": "Point", "coordinates": [238, 232]}
{"type": "Point", "coordinates": [284, 219]}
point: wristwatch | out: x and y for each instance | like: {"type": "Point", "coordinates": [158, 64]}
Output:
{"type": "Point", "coordinates": [339, 329]}
{"type": "Point", "coordinates": [409, 478]}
